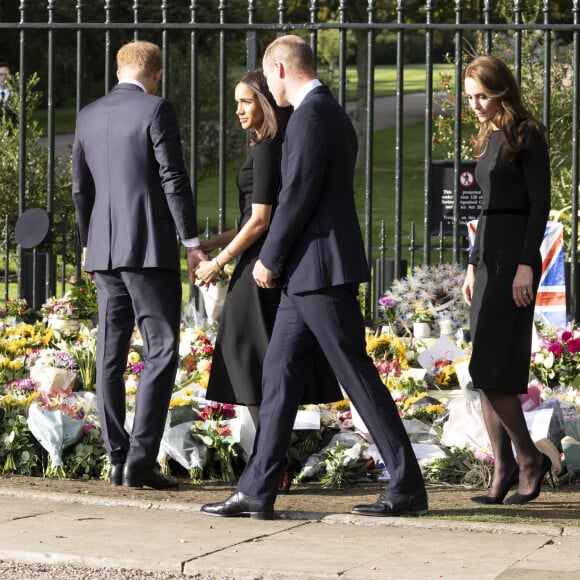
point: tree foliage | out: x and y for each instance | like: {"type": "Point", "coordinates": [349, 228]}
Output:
{"type": "Point", "coordinates": [36, 165]}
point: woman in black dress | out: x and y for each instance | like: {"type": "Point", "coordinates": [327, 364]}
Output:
{"type": "Point", "coordinates": [504, 270]}
{"type": "Point", "coordinates": [249, 311]}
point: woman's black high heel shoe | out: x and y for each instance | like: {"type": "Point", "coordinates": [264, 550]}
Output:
{"type": "Point", "coordinates": [518, 498]}
{"type": "Point", "coordinates": [495, 499]}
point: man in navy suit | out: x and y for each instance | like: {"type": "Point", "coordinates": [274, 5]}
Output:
{"type": "Point", "coordinates": [132, 197]}
{"type": "Point", "coordinates": [314, 248]}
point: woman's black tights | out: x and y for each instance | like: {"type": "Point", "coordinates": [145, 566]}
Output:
{"type": "Point", "coordinates": [505, 423]}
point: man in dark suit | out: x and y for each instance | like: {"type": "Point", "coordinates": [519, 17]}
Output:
{"type": "Point", "coordinates": [131, 194]}
{"type": "Point", "coordinates": [314, 248]}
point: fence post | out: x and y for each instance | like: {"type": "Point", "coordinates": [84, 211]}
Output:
{"type": "Point", "coordinates": [5, 232]}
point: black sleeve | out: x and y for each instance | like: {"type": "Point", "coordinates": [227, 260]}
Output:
{"type": "Point", "coordinates": [535, 164]}
{"type": "Point", "coordinates": [266, 172]}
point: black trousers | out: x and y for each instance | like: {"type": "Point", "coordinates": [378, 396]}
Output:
{"type": "Point", "coordinates": [150, 298]}
{"type": "Point", "coordinates": [330, 317]}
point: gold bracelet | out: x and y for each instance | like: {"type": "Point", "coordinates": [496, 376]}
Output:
{"type": "Point", "coordinates": [230, 254]}
{"type": "Point", "coordinates": [216, 266]}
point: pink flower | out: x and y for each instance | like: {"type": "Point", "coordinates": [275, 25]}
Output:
{"type": "Point", "coordinates": [573, 345]}
{"type": "Point", "coordinates": [556, 349]}
{"type": "Point", "coordinates": [566, 335]}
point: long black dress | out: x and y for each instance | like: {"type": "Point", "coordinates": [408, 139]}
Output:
{"type": "Point", "coordinates": [249, 311]}
{"type": "Point", "coordinates": [510, 229]}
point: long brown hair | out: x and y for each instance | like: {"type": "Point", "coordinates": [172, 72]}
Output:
{"type": "Point", "coordinates": [512, 117]}
{"type": "Point", "coordinates": [256, 82]}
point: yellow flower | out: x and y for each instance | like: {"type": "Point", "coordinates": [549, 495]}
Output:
{"type": "Point", "coordinates": [133, 357]}
{"type": "Point", "coordinates": [179, 402]}
{"type": "Point", "coordinates": [411, 400]}
{"type": "Point", "coordinates": [15, 365]}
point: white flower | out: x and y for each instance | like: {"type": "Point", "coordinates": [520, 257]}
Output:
{"type": "Point", "coordinates": [549, 360]}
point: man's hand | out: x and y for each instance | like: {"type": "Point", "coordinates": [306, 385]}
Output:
{"type": "Point", "coordinates": [194, 257]}
{"type": "Point", "coordinates": [264, 278]}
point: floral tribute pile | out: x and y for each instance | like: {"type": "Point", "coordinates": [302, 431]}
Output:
{"type": "Point", "coordinates": [49, 424]}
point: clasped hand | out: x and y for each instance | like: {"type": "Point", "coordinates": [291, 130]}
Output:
{"type": "Point", "coordinates": [195, 257]}
{"type": "Point", "coordinates": [206, 274]}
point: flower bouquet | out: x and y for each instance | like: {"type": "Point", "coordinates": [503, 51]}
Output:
{"type": "Point", "coordinates": [19, 450]}
{"type": "Point", "coordinates": [557, 362]}
{"type": "Point", "coordinates": [434, 288]}
{"type": "Point", "coordinates": [52, 370]}
{"type": "Point", "coordinates": [14, 310]}
{"type": "Point", "coordinates": [83, 296]}
{"type": "Point", "coordinates": [389, 355]}
{"type": "Point", "coordinates": [214, 431]}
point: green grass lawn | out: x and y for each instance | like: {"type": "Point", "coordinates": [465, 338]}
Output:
{"type": "Point", "coordinates": [386, 79]}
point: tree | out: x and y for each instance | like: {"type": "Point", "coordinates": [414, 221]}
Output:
{"type": "Point", "coordinates": [36, 166]}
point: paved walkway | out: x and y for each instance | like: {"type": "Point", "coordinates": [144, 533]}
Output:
{"type": "Point", "coordinates": [176, 538]}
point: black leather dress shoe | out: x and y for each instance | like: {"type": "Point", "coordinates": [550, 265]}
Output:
{"type": "Point", "coordinates": [133, 477]}
{"type": "Point", "coordinates": [239, 505]}
{"type": "Point", "coordinates": [116, 474]}
{"type": "Point", "coordinates": [389, 504]}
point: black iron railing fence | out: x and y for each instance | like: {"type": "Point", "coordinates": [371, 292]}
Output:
{"type": "Point", "coordinates": [73, 48]}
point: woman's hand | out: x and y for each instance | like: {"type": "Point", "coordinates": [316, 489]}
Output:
{"type": "Point", "coordinates": [468, 284]}
{"type": "Point", "coordinates": [207, 273]}
{"type": "Point", "coordinates": [522, 286]}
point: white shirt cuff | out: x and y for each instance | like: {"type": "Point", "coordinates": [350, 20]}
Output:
{"type": "Point", "coordinates": [191, 243]}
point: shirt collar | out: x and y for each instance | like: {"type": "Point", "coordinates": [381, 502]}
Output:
{"type": "Point", "coordinates": [304, 90]}
{"type": "Point", "coordinates": [134, 82]}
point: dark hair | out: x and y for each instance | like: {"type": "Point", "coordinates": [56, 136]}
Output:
{"type": "Point", "coordinates": [273, 124]}
{"type": "Point", "coordinates": [512, 116]}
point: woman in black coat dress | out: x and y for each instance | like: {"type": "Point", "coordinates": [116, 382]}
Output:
{"type": "Point", "coordinates": [504, 270]}
{"type": "Point", "coordinates": [249, 311]}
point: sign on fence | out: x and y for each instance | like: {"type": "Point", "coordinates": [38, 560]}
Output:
{"type": "Point", "coordinates": [470, 196]}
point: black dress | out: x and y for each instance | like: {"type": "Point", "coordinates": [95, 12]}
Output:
{"type": "Point", "coordinates": [510, 229]}
{"type": "Point", "coordinates": [249, 311]}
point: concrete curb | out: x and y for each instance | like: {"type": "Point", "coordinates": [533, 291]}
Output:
{"type": "Point", "coordinates": [332, 519]}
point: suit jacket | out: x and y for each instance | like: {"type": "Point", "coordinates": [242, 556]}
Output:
{"type": "Point", "coordinates": [315, 239]}
{"type": "Point", "coordinates": [130, 188]}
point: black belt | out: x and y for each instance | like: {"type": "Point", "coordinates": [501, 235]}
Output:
{"type": "Point", "coordinates": [506, 210]}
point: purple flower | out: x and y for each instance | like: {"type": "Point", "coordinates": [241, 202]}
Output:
{"type": "Point", "coordinates": [387, 302]}
{"type": "Point", "coordinates": [22, 386]}
{"type": "Point", "coordinates": [65, 360]}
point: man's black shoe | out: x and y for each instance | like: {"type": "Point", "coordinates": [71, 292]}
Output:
{"type": "Point", "coordinates": [133, 477]}
{"type": "Point", "coordinates": [239, 505]}
{"type": "Point", "coordinates": [389, 504]}
{"type": "Point", "coordinates": [116, 474]}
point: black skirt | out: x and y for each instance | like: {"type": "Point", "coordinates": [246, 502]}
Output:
{"type": "Point", "coordinates": [243, 335]}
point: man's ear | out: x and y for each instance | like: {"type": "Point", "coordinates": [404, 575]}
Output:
{"type": "Point", "coordinates": [281, 69]}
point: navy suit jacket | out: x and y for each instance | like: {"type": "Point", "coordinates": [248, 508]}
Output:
{"type": "Point", "coordinates": [130, 188]}
{"type": "Point", "coordinates": [314, 239]}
